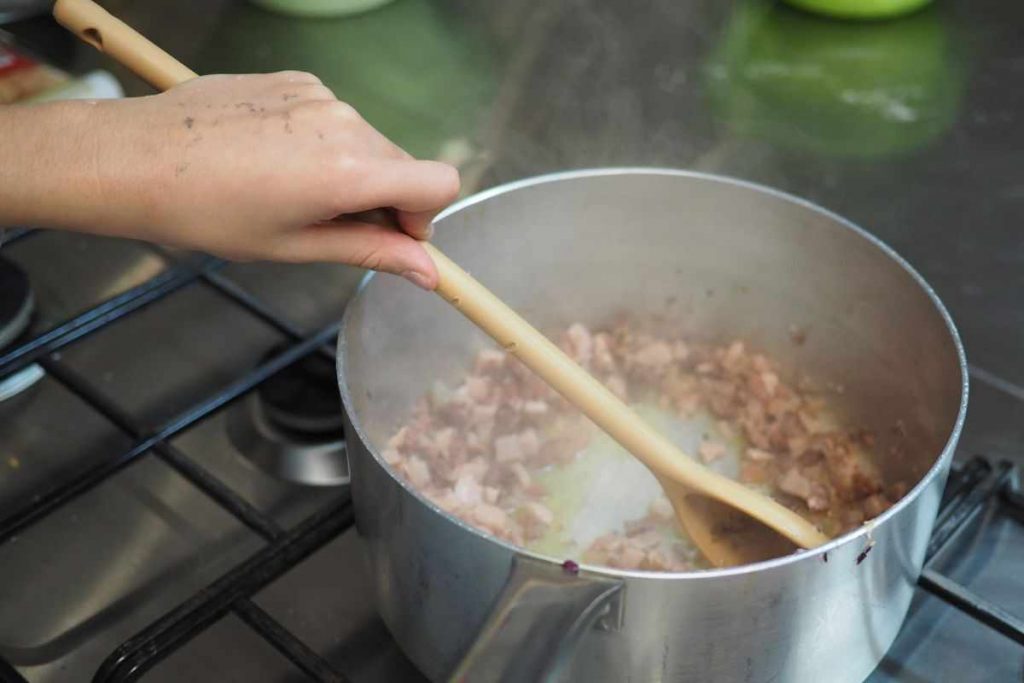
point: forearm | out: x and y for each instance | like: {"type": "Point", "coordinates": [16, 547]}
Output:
{"type": "Point", "coordinates": [48, 166]}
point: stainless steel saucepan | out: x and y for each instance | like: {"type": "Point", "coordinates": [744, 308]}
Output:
{"type": "Point", "coordinates": [730, 260]}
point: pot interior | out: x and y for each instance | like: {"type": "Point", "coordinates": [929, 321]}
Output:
{"type": "Point", "coordinates": [718, 259]}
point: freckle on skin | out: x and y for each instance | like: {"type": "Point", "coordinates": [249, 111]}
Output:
{"type": "Point", "coordinates": [320, 134]}
{"type": "Point", "coordinates": [189, 121]}
{"type": "Point", "coordinates": [289, 96]}
{"type": "Point", "coordinates": [180, 170]}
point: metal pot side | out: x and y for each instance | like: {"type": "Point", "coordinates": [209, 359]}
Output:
{"type": "Point", "coordinates": [730, 260]}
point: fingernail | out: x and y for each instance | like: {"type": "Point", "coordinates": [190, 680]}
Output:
{"type": "Point", "coordinates": [417, 279]}
{"type": "Point", "coordinates": [430, 231]}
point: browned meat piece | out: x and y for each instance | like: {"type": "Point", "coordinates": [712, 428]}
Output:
{"type": "Point", "coordinates": [758, 455]}
{"type": "Point", "coordinates": [580, 343]}
{"type": "Point", "coordinates": [709, 451]}
{"type": "Point", "coordinates": [490, 518]}
{"type": "Point", "coordinates": [875, 505]}
{"type": "Point", "coordinates": [418, 472]}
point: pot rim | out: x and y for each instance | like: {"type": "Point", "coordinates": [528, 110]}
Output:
{"type": "Point", "coordinates": [935, 470]}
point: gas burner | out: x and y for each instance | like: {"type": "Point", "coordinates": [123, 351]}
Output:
{"type": "Point", "coordinates": [291, 426]}
{"type": "Point", "coordinates": [16, 302]}
{"type": "Point", "coordinates": [16, 306]}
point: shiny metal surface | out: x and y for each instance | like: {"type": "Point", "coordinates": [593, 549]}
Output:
{"type": "Point", "coordinates": [316, 464]}
{"type": "Point", "coordinates": [533, 629]}
{"type": "Point", "coordinates": [726, 260]}
{"type": "Point", "coordinates": [585, 83]}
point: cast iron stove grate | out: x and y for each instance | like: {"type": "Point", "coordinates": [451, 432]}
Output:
{"type": "Point", "coordinates": [972, 487]}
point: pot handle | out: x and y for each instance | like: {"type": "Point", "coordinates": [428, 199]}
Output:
{"type": "Point", "coordinates": [533, 629]}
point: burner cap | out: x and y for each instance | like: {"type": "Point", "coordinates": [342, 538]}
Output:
{"type": "Point", "coordinates": [16, 302]}
{"type": "Point", "coordinates": [292, 425]}
{"type": "Point", "coordinates": [303, 399]}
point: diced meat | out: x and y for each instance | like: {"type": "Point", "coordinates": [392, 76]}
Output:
{"type": "Point", "coordinates": [536, 408]}
{"type": "Point", "coordinates": [398, 440]}
{"type": "Point", "coordinates": [758, 455]}
{"type": "Point", "coordinates": [818, 501]}
{"type": "Point", "coordinates": [581, 344]}
{"type": "Point", "coordinates": [476, 450]}
{"type": "Point", "coordinates": [478, 388]}
{"type": "Point", "coordinates": [794, 483]}
{"type": "Point", "coordinates": [418, 472]}
{"type": "Point", "coordinates": [508, 449]}
{"type": "Point", "coordinates": [521, 475]}
{"type": "Point", "coordinates": [603, 360]}
{"type": "Point", "coordinates": [468, 490]}
{"type": "Point", "coordinates": [490, 361]}
{"type": "Point", "coordinates": [709, 451]}
{"type": "Point", "coordinates": [444, 440]}
{"type": "Point", "coordinates": [540, 513]}
{"type": "Point", "coordinates": [391, 456]}
{"type": "Point", "coordinates": [754, 473]}
{"type": "Point", "coordinates": [516, 447]}
{"type": "Point", "coordinates": [529, 442]}
{"type": "Point", "coordinates": [875, 505]}
{"type": "Point", "coordinates": [628, 556]}
{"type": "Point", "coordinates": [733, 356]}
{"type": "Point", "coordinates": [656, 356]}
{"type": "Point", "coordinates": [490, 517]}
{"type": "Point", "coordinates": [476, 468]}
{"type": "Point", "coordinates": [617, 385]}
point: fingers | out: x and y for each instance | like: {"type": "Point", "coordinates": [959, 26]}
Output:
{"type": "Point", "coordinates": [417, 223]}
{"type": "Point", "coordinates": [365, 245]}
{"type": "Point", "coordinates": [413, 187]}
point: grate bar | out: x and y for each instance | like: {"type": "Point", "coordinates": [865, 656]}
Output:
{"type": "Point", "coordinates": [144, 650]}
{"type": "Point", "coordinates": [250, 380]}
{"type": "Point", "coordinates": [291, 647]}
{"type": "Point", "coordinates": [44, 504]}
{"type": "Point", "coordinates": [959, 484]}
{"type": "Point", "coordinates": [219, 492]}
{"type": "Point", "coordinates": [229, 288]}
{"type": "Point", "coordinates": [970, 603]}
{"type": "Point", "coordinates": [102, 314]}
{"type": "Point", "coordinates": [235, 292]}
{"type": "Point", "coordinates": [12, 235]}
{"type": "Point", "coordinates": [964, 509]}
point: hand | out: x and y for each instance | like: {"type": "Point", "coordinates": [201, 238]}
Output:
{"type": "Point", "coordinates": [244, 167]}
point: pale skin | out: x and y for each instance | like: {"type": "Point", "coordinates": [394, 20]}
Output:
{"type": "Point", "coordinates": [247, 167]}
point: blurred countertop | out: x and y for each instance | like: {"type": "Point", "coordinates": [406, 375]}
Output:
{"type": "Point", "coordinates": [911, 128]}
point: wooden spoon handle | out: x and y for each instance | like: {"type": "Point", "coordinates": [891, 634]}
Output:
{"type": "Point", "coordinates": [110, 35]}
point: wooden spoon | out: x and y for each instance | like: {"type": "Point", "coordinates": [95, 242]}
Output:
{"type": "Point", "coordinates": [679, 475]}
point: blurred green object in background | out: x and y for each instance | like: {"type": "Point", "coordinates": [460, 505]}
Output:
{"type": "Point", "coordinates": [833, 88]}
{"type": "Point", "coordinates": [860, 9]}
{"type": "Point", "coordinates": [409, 68]}
{"type": "Point", "coordinates": [320, 8]}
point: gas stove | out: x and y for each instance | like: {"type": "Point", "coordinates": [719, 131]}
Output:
{"type": "Point", "coordinates": [156, 521]}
